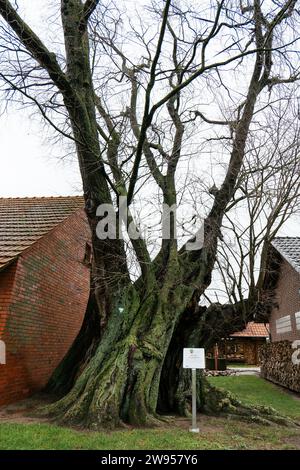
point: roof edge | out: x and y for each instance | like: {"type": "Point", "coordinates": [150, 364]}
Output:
{"type": "Point", "coordinates": [12, 198]}
{"type": "Point", "coordinates": [11, 261]}
{"type": "Point", "coordinates": [285, 256]}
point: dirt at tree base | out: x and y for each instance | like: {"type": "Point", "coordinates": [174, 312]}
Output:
{"type": "Point", "coordinates": [22, 411]}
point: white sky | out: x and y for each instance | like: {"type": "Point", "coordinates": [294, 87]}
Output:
{"type": "Point", "coordinates": [29, 164]}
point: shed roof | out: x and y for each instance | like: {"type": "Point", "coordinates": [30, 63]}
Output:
{"type": "Point", "coordinates": [253, 330]}
{"type": "Point", "coordinates": [24, 220]}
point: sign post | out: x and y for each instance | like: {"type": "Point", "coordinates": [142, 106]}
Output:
{"type": "Point", "coordinates": [194, 358]}
{"type": "Point", "coordinates": [194, 402]}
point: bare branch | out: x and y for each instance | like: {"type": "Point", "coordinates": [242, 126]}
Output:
{"type": "Point", "coordinates": [146, 116]}
{"type": "Point", "coordinates": [34, 45]}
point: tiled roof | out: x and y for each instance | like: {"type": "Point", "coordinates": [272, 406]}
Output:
{"type": "Point", "coordinates": [253, 330]}
{"type": "Point", "coordinates": [24, 220]}
{"type": "Point", "coordinates": [289, 248]}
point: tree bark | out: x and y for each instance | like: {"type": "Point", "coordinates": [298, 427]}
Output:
{"type": "Point", "coordinates": [131, 371]}
{"type": "Point", "coordinates": [121, 380]}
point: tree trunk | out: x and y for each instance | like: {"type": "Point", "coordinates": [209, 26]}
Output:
{"type": "Point", "coordinates": [200, 327]}
{"type": "Point", "coordinates": [134, 335]}
{"type": "Point", "coordinates": [132, 372]}
{"type": "Point", "coordinates": [120, 383]}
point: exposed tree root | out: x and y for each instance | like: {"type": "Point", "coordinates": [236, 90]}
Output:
{"type": "Point", "coordinates": [220, 402]}
{"type": "Point", "coordinates": [211, 400]}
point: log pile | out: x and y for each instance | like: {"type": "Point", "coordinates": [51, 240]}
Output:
{"type": "Point", "coordinates": [277, 364]}
{"type": "Point", "coordinates": [216, 373]}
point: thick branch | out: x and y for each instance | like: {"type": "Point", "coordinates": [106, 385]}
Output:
{"type": "Point", "coordinates": [35, 46]}
{"type": "Point", "coordinates": [89, 8]}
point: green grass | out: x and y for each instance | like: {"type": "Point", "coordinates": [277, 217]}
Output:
{"type": "Point", "coordinates": [44, 436]}
{"type": "Point", "coordinates": [215, 433]}
{"type": "Point", "coordinates": [240, 365]}
{"type": "Point", "coordinates": [254, 390]}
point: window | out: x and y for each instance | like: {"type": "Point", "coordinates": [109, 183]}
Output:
{"type": "Point", "coordinates": [283, 325]}
{"type": "Point", "coordinates": [297, 317]}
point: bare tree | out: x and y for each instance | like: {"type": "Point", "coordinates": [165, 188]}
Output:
{"type": "Point", "coordinates": [130, 95]}
{"type": "Point", "coordinates": [267, 195]}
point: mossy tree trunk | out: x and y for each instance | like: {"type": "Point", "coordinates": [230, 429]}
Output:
{"type": "Point", "coordinates": [120, 380]}
{"type": "Point", "coordinates": [132, 371]}
{"type": "Point", "coordinates": [198, 327]}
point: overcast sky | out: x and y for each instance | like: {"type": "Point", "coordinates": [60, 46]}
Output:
{"type": "Point", "coordinates": [30, 165]}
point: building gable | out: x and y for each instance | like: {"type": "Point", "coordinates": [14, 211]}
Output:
{"type": "Point", "coordinates": [23, 221]}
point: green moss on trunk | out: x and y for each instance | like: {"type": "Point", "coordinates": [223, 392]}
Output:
{"type": "Point", "coordinates": [120, 383]}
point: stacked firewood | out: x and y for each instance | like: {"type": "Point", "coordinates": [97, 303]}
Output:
{"type": "Point", "coordinates": [215, 373]}
{"type": "Point", "coordinates": [279, 364]}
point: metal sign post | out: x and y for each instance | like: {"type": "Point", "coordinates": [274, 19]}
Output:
{"type": "Point", "coordinates": [194, 358]}
{"type": "Point", "coordinates": [2, 352]}
{"type": "Point", "coordinates": [194, 403]}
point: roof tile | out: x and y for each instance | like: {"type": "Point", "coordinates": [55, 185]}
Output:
{"type": "Point", "coordinates": [24, 220]}
{"type": "Point", "coordinates": [289, 248]}
{"type": "Point", "coordinates": [253, 330]}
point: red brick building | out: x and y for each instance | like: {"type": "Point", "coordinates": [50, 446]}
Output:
{"type": "Point", "coordinates": [277, 357]}
{"type": "Point", "coordinates": [285, 317]}
{"type": "Point", "coordinates": [44, 287]}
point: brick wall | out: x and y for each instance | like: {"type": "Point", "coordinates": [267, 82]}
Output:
{"type": "Point", "coordinates": [288, 298]}
{"type": "Point", "coordinates": [48, 302]}
{"type": "Point", "coordinates": [6, 286]}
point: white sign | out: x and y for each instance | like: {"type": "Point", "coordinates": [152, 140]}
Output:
{"type": "Point", "coordinates": [193, 358]}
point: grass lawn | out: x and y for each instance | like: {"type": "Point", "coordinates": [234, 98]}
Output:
{"type": "Point", "coordinates": [254, 390]}
{"type": "Point", "coordinates": [215, 433]}
{"type": "Point", "coordinates": [240, 365]}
